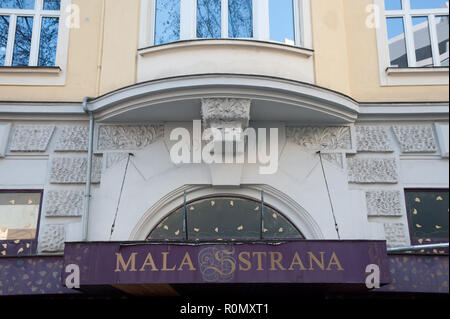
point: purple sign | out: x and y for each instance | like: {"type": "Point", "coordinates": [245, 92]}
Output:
{"type": "Point", "coordinates": [329, 262]}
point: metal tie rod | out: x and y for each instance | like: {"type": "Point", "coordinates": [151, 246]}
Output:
{"type": "Point", "coordinates": [415, 248]}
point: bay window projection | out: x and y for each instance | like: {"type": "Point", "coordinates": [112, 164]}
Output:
{"type": "Point", "coordinates": [29, 32]}
{"type": "Point", "coordinates": [418, 32]}
{"type": "Point", "coordinates": [268, 20]}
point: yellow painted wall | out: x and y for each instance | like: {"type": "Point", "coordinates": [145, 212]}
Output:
{"type": "Point", "coordinates": [346, 56]}
{"type": "Point", "coordinates": [329, 42]}
{"type": "Point", "coordinates": [363, 66]}
{"type": "Point", "coordinates": [81, 78]}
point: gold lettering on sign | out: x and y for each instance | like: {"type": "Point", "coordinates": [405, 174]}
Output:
{"type": "Point", "coordinates": [260, 254]}
{"type": "Point", "coordinates": [149, 262]}
{"type": "Point", "coordinates": [296, 260]}
{"type": "Point", "coordinates": [275, 259]}
{"type": "Point", "coordinates": [312, 258]}
{"type": "Point", "coordinates": [245, 261]}
{"type": "Point", "coordinates": [121, 262]}
{"type": "Point", "coordinates": [188, 262]}
{"type": "Point", "coordinates": [334, 260]}
{"type": "Point", "coordinates": [164, 267]}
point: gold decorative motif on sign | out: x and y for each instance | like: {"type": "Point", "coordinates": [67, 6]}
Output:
{"type": "Point", "coordinates": [418, 200]}
{"type": "Point", "coordinates": [439, 198]}
{"type": "Point", "coordinates": [240, 228]}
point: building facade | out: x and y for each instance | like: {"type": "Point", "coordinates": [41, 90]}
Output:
{"type": "Point", "coordinates": [156, 147]}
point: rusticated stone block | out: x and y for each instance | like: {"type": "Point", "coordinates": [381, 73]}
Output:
{"type": "Point", "coordinates": [416, 138]}
{"type": "Point", "coordinates": [396, 235]}
{"type": "Point", "coordinates": [67, 203]}
{"type": "Point", "coordinates": [73, 139]}
{"type": "Point", "coordinates": [31, 138]}
{"type": "Point", "coordinates": [373, 139]}
{"type": "Point", "coordinates": [72, 170]}
{"type": "Point", "coordinates": [384, 203]}
{"type": "Point", "coordinates": [372, 171]}
{"type": "Point", "coordinates": [53, 238]}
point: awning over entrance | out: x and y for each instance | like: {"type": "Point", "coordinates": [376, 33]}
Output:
{"type": "Point", "coordinates": [292, 262]}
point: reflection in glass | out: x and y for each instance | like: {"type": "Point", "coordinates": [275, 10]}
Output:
{"type": "Point", "coordinates": [4, 28]}
{"type": "Point", "coordinates": [281, 20]}
{"type": "Point", "coordinates": [225, 218]}
{"type": "Point", "coordinates": [209, 13]}
{"type": "Point", "coordinates": [19, 215]}
{"type": "Point", "coordinates": [17, 4]}
{"type": "Point", "coordinates": [167, 26]}
{"type": "Point", "coordinates": [393, 4]}
{"type": "Point", "coordinates": [429, 4]}
{"type": "Point", "coordinates": [52, 4]}
{"type": "Point", "coordinates": [22, 43]}
{"type": "Point", "coordinates": [397, 42]}
{"type": "Point", "coordinates": [442, 34]}
{"type": "Point", "coordinates": [49, 42]}
{"type": "Point", "coordinates": [422, 42]}
{"type": "Point", "coordinates": [240, 19]}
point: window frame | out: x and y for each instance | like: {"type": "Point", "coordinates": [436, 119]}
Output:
{"type": "Point", "coordinates": [32, 74]}
{"type": "Point", "coordinates": [261, 28]}
{"type": "Point", "coordinates": [408, 215]}
{"type": "Point", "coordinates": [411, 75]}
{"type": "Point", "coordinates": [33, 243]}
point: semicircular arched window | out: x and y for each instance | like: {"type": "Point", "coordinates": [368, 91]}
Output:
{"type": "Point", "coordinates": [225, 218]}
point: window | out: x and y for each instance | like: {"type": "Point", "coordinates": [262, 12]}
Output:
{"type": "Point", "coordinates": [225, 218]}
{"type": "Point", "coordinates": [428, 215]}
{"type": "Point", "coordinates": [19, 216]}
{"type": "Point", "coordinates": [266, 20]}
{"type": "Point", "coordinates": [417, 32]}
{"type": "Point", "coordinates": [29, 32]}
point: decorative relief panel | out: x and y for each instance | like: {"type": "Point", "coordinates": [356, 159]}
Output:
{"type": "Point", "coordinates": [372, 170]}
{"type": "Point", "coordinates": [384, 203]}
{"type": "Point", "coordinates": [73, 139]}
{"type": "Point", "coordinates": [53, 238]}
{"type": "Point", "coordinates": [416, 139]}
{"type": "Point", "coordinates": [216, 112]}
{"type": "Point", "coordinates": [112, 159]}
{"type": "Point", "coordinates": [334, 158]}
{"type": "Point", "coordinates": [72, 170]}
{"type": "Point", "coordinates": [64, 203]}
{"type": "Point", "coordinates": [31, 138]}
{"type": "Point", "coordinates": [396, 235]}
{"type": "Point", "coordinates": [128, 137]}
{"type": "Point", "coordinates": [373, 139]}
{"type": "Point", "coordinates": [4, 134]}
{"type": "Point", "coordinates": [320, 138]}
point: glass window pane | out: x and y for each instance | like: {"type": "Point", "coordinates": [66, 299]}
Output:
{"type": "Point", "coordinates": [19, 214]}
{"type": "Point", "coordinates": [393, 4]}
{"type": "Point", "coordinates": [428, 216]}
{"type": "Point", "coordinates": [225, 218]}
{"type": "Point", "coordinates": [17, 4]}
{"type": "Point", "coordinates": [442, 33]}
{"type": "Point", "coordinates": [281, 20]}
{"type": "Point", "coordinates": [48, 42]}
{"type": "Point", "coordinates": [429, 4]}
{"type": "Point", "coordinates": [52, 4]}
{"type": "Point", "coordinates": [22, 43]}
{"type": "Point", "coordinates": [240, 19]}
{"type": "Point", "coordinates": [397, 42]}
{"type": "Point", "coordinates": [167, 25]}
{"type": "Point", "coordinates": [209, 13]}
{"type": "Point", "coordinates": [4, 28]}
{"type": "Point", "coordinates": [422, 42]}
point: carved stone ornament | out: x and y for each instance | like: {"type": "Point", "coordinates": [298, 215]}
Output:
{"type": "Point", "coordinates": [52, 238]}
{"type": "Point", "coordinates": [31, 138]}
{"type": "Point", "coordinates": [73, 139]}
{"type": "Point", "coordinates": [372, 170]}
{"type": "Point", "coordinates": [66, 203]}
{"type": "Point", "coordinates": [396, 235]}
{"type": "Point", "coordinates": [416, 138]}
{"type": "Point", "coordinates": [384, 203]}
{"type": "Point", "coordinates": [128, 137]}
{"type": "Point", "coordinates": [373, 139]}
{"type": "Point", "coordinates": [224, 112]}
{"type": "Point", "coordinates": [72, 170]}
{"type": "Point", "coordinates": [320, 137]}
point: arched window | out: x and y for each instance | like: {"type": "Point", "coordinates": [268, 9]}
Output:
{"type": "Point", "coordinates": [225, 218]}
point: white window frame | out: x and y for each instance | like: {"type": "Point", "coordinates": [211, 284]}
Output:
{"type": "Point", "coordinates": [413, 74]}
{"type": "Point", "coordinates": [32, 74]}
{"type": "Point", "coordinates": [261, 28]}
